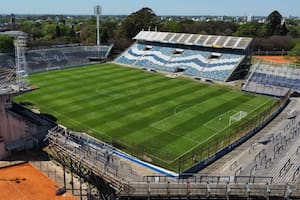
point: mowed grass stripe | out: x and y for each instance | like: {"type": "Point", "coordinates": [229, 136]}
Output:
{"type": "Point", "coordinates": [68, 90]}
{"type": "Point", "coordinates": [160, 114]}
{"type": "Point", "coordinates": [123, 99]}
{"type": "Point", "coordinates": [137, 107]}
{"type": "Point", "coordinates": [128, 104]}
{"type": "Point", "coordinates": [68, 79]}
{"type": "Point", "coordinates": [193, 124]}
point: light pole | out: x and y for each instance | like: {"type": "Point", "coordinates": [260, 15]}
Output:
{"type": "Point", "coordinates": [98, 13]}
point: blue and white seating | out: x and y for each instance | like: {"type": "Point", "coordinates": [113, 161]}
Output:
{"type": "Point", "coordinates": [275, 80]}
{"type": "Point", "coordinates": [193, 62]}
{"type": "Point", "coordinates": [283, 77]}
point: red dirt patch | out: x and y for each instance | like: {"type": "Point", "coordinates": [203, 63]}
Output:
{"type": "Point", "coordinates": [27, 183]}
{"type": "Point", "coordinates": [277, 59]}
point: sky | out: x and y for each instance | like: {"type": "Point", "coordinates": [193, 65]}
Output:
{"type": "Point", "coordinates": [160, 7]}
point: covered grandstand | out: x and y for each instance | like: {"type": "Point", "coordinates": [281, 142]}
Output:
{"type": "Point", "coordinates": [58, 57]}
{"type": "Point", "coordinates": [220, 58]}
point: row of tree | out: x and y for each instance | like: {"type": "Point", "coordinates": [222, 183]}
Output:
{"type": "Point", "coordinates": [276, 34]}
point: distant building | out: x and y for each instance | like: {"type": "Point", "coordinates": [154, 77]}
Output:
{"type": "Point", "coordinates": [249, 18]}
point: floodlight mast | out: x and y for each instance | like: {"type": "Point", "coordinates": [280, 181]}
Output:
{"type": "Point", "coordinates": [98, 13]}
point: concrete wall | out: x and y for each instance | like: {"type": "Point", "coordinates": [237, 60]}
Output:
{"type": "Point", "coordinates": [11, 127]}
{"type": "Point", "coordinates": [17, 125]}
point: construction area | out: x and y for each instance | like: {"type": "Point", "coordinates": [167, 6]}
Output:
{"type": "Point", "coordinates": [23, 181]}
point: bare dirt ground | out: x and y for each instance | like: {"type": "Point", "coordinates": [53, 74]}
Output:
{"type": "Point", "coordinates": [40, 161]}
{"type": "Point", "coordinates": [24, 181]}
{"type": "Point", "coordinates": [277, 59]}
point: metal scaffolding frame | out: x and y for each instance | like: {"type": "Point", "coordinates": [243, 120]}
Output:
{"type": "Point", "coordinates": [90, 159]}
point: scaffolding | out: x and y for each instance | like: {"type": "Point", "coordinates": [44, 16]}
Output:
{"type": "Point", "coordinates": [90, 159]}
{"type": "Point", "coordinates": [83, 156]}
{"type": "Point", "coordinates": [21, 65]}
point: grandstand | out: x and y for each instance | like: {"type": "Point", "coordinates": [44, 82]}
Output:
{"type": "Point", "coordinates": [272, 80]}
{"type": "Point", "coordinates": [6, 60]}
{"type": "Point", "coordinates": [60, 57]}
{"type": "Point", "coordinates": [211, 57]}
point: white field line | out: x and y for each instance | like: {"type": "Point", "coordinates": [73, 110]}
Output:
{"type": "Point", "coordinates": [218, 132]}
{"type": "Point", "coordinates": [96, 131]}
{"type": "Point", "coordinates": [174, 134]}
{"type": "Point", "coordinates": [218, 117]}
{"type": "Point", "coordinates": [210, 127]}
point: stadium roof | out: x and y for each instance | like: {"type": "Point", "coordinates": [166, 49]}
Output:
{"type": "Point", "coordinates": [214, 41]}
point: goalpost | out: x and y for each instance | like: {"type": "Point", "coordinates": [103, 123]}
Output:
{"type": "Point", "coordinates": [237, 117]}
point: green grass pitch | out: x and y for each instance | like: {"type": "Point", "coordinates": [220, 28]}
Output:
{"type": "Point", "coordinates": [139, 108]}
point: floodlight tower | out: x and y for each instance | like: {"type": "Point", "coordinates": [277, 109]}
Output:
{"type": "Point", "coordinates": [20, 44]}
{"type": "Point", "coordinates": [98, 13]}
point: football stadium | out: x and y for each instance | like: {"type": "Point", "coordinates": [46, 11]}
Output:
{"type": "Point", "coordinates": [174, 116]}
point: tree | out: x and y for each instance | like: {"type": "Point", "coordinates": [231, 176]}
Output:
{"type": "Point", "coordinates": [107, 29]}
{"type": "Point", "coordinates": [283, 29]}
{"type": "Point", "coordinates": [296, 52]}
{"type": "Point", "coordinates": [275, 25]}
{"type": "Point", "coordinates": [171, 26]}
{"type": "Point", "coordinates": [273, 43]}
{"type": "Point", "coordinates": [49, 31]}
{"type": "Point", "coordinates": [6, 44]}
{"type": "Point", "coordinates": [137, 21]}
{"type": "Point", "coordinates": [252, 29]}
{"type": "Point", "coordinates": [88, 34]}
{"type": "Point", "coordinates": [57, 31]}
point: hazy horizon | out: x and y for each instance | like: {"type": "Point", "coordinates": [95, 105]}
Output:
{"type": "Point", "coordinates": [178, 7]}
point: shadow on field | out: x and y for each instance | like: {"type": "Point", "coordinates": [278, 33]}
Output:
{"type": "Point", "coordinates": [48, 116]}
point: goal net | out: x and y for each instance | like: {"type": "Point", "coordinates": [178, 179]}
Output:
{"type": "Point", "coordinates": [237, 117]}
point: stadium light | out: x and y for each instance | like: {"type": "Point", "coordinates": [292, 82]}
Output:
{"type": "Point", "coordinates": [98, 13]}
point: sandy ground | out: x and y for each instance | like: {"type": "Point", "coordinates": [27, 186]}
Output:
{"type": "Point", "coordinates": [25, 182]}
{"type": "Point", "coordinates": [277, 59]}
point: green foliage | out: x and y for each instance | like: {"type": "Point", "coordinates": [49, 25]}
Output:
{"type": "Point", "coordinates": [59, 29]}
{"type": "Point", "coordinates": [274, 22]}
{"type": "Point", "coordinates": [107, 30]}
{"type": "Point", "coordinates": [296, 52]}
{"type": "Point", "coordinates": [294, 30]}
{"type": "Point", "coordinates": [49, 31]}
{"type": "Point", "coordinates": [217, 28]}
{"type": "Point", "coordinates": [171, 26]}
{"type": "Point", "coordinates": [6, 44]}
{"type": "Point", "coordinates": [274, 25]}
{"type": "Point", "coordinates": [134, 23]}
{"type": "Point", "coordinates": [252, 29]}
{"type": "Point", "coordinates": [273, 43]}
{"type": "Point", "coordinates": [88, 34]}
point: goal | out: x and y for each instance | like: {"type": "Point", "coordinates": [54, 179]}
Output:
{"type": "Point", "coordinates": [237, 117]}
